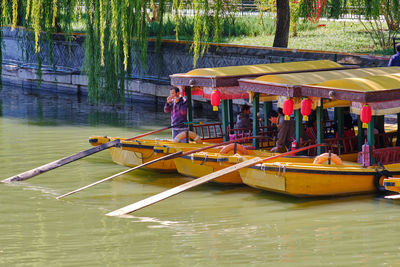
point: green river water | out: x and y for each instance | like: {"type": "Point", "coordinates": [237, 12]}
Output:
{"type": "Point", "coordinates": [211, 225]}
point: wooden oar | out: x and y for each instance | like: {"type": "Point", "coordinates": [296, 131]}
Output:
{"type": "Point", "coordinates": [58, 163]}
{"type": "Point", "coordinates": [171, 156]}
{"type": "Point", "coordinates": [393, 197]}
{"type": "Point", "coordinates": [176, 190]}
{"type": "Point", "coordinates": [162, 129]}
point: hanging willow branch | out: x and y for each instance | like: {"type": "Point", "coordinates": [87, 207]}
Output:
{"type": "Point", "coordinates": [116, 33]}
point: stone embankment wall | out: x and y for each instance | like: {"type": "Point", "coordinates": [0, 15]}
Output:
{"type": "Point", "coordinates": [64, 71]}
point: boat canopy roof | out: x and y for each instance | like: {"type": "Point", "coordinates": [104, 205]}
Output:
{"type": "Point", "coordinates": [366, 84]}
{"type": "Point", "coordinates": [326, 83]}
{"type": "Point", "coordinates": [377, 86]}
{"type": "Point", "coordinates": [228, 76]}
{"type": "Point", "coordinates": [322, 76]}
{"type": "Point", "coordinates": [263, 68]}
{"type": "Point", "coordinates": [367, 89]}
{"type": "Point", "coordinates": [381, 92]}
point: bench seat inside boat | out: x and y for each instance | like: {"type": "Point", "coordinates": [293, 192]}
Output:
{"type": "Point", "coordinates": [387, 155]}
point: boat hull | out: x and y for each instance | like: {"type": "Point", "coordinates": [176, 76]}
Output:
{"type": "Point", "coordinates": [198, 166]}
{"type": "Point", "coordinates": [312, 180]}
{"type": "Point", "coordinates": [136, 152]}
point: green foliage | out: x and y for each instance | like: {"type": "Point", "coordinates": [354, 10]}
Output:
{"type": "Point", "coordinates": [306, 25]}
{"type": "Point", "coordinates": [249, 26]}
{"type": "Point", "coordinates": [340, 36]}
{"type": "Point", "coordinates": [117, 30]}
{"type": "Point", "coordinates": [244, 26]}
{"type": "Point", "coordinates": [380, 31]}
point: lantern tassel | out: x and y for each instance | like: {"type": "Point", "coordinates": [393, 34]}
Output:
{"type": "Point", "coordinates": [215, 108]}
{"type": "Point", "coordinates": [305, 118]}
{"type": "Point", "coordinates": [365, 125]}
{"type": "Point", "coordinates": [287, 117]}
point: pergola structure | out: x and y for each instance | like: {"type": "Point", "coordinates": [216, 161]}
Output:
{"type": "Point", "coordinates": [378, 87]}
{"type": "Point", "coordinates": [225, 79]}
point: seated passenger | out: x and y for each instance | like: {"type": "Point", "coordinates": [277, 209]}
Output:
{"type": "Point", "coordinates": [311, 127]}
{"type": "Point", "coordinates": [286, 130]}
{"type": "Point", "coordinates": [348, 124]}
{"type": "Point", "coordinates": [243, 118]}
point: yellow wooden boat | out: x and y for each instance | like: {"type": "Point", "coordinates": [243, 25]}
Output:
{"type": "Point", "coordinates": [307, 178]}
{"type": "Point", "coordinates": [297, 176]}
{"type": "Point", "coordinates": [204, 163]}
{"type": "Point", "coordinates": [135, 152]}
{"type": "Point", "coordinates": [392, 184]}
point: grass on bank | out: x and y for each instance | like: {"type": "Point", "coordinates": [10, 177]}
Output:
{"type": "Point", "coordinates": [326, 35]}
{"type": "Point", "coordinates": [338, 36]}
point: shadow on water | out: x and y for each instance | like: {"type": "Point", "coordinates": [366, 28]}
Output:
{"type": "Point", "coordinates": [311, 202]}
{"type": "Point", "coordinates": [47, 108]}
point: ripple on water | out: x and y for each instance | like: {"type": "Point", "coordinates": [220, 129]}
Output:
{"type": "Point", "coordinates": [210, 225]}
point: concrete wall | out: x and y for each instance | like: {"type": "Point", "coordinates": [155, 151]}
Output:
{"type": "Point", "coordinates": [64, 71]}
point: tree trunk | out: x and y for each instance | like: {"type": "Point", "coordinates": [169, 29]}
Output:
{"type": "Point", "coordinates": [282, 23]}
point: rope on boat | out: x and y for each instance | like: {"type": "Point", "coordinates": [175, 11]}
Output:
{"type": "Point", "coordinates": [205, 159]}
{"type": "Point", "coordinates": [377, 179]}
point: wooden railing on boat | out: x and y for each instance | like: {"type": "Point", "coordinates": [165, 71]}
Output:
{"type": "Point", "coordinates": [343, 145]}
{"type": "Point", "coordinates": [267, 133]}
{"type": "Point", "coordinates": [209, 131]}
{"type": "Point", "coordinates": [349, 144]}
{"type": "Point", "coordinates": [212, 131]}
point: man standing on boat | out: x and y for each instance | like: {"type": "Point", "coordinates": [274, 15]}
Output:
{"type": "Point", "coordinates": [286, 130]}
{"type": "Point", "coordinates": [177, 105]}
{"type": "Point", "coordinates": [395, 59]}
{"type": "Point", "coordinates": [243, 118]}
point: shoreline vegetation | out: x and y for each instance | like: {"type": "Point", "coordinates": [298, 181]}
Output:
{"type": "Point", "coordinates": [326, 35]}
{"type": "Point", "coordinates": [117, 32]}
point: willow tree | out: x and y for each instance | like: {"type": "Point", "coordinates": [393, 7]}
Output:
{"type": "Point", "coordinates": [380, 18]}
{"type": "Point", "coordinates": [116, 32]}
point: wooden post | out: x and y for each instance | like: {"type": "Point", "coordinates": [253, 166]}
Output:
{"type": "Point", "coordinates": [380, 123]}
{"type": "Point", "coordinates": [225, 120]}
{"type": "Point", "coordinates": [320, 130]}
{"type": "Point", "coordinates": [230, 110]}
{"type": "Point", "coordinates": [256, 124]}
{"type": "Point", "coordinates": [371, 138]}
{"type": "Point", "coordinates": [361, 135]}
{"type": "Point", "coordinates": [299, 125]}
{"type": "Point", "coordinates": [267, 108]}
{"type": "Point", "coordinates": [188, 93]}
{"type": "Point", "coordinates": [398, 130]}
{"type": "Point", "coordinates": [340, 123]}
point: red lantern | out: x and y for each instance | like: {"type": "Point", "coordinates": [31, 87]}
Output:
{"type": "Point", "coordinates": [287, 108]}
{"type": "Point", "coordinates": [215, 99]}
{"type": "Point", "coordinates": [365, 115]}
{"type": "Point", "coordinates": [306, 108]}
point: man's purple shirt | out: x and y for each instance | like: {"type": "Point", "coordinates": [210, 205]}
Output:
{"type": "Point", "coordinates": [178, 111]}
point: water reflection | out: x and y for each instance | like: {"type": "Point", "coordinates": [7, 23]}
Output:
{"type": "Point", "coordinates": [47, 108]}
